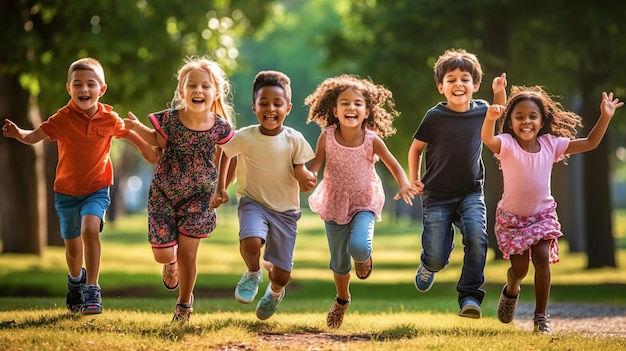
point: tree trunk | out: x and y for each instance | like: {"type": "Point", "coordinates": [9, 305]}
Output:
{"type": "Point", "coordinates": [597, 192]}
{"type": "Point", "coordinates": [53, 228]}
{"type": "Point", "coordinates": [20, 192]}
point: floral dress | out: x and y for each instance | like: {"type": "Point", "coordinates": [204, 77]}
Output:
{"type": "Point", "coordinates": [184, 180]}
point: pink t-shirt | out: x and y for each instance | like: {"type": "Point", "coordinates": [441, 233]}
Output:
{"type": "Point", "coordinates": [527, 175]}
{"type": "Point", "coordinates": [350, 183]}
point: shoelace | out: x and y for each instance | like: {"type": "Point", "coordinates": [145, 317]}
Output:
{"type": "Point", "coordinates": [425, 276]}
{"type": "Point", "coordinates": [91, 295]}
{"type": "Point", "coordinates": [249, 284]}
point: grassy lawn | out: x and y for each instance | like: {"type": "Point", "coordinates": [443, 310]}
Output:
{"type": "Point", "coordinates": [386, 313]}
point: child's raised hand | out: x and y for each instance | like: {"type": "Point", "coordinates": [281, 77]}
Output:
{"type": "Point", "coordinates": [609, 104]}
{"type": "Point", "coordinates": [132, 122]}
{"type": "Point", "coordinates": [499, 83]}
{"type": "Point", "coordinates": [494, 112]}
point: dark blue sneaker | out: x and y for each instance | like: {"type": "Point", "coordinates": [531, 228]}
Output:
{"type": "Point", "coordinates": [93, 300]}
{"type": "Point", "coordinates": [470, 308]}
{"type": "Point", "coordinates": [74, 300]}
{"type": "Point", "coordinates": [424, 279]}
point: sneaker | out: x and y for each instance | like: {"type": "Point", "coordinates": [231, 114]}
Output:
{"type": "Point", "coordinates": [74, 300]}
{"type": "Point", "coordinates": [506, 306]}
{"type": "Point", "coordinates": [470, 308]}
{"type": "Point", "coordinates": [182, 311]}
{"type": "Point", "coordinates": [93, 300]}
{"type": "Point", "coordinates": [424, 279]}
{"type": "Point", "coordinates": [170, 276]}
{"type": "Point", "coordinates": [335, 314]}
{"type": "Point", "coordinates": [363, 269]}
{"type": "Point", "coordinates": [542, 323]}
{"type": "Point", "coordinates": [248, 287]}
{"type": "Point", "coordinates": [268, 304]}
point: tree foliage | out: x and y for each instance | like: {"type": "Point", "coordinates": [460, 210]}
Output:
{"type": "Point", "coordinates": [575, 50]}
{"type": "Point", "coordinates": [140, 43]}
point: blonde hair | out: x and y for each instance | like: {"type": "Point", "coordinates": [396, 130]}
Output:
{"type": "Point", "coordinates": [220, 106]}
{"type": "Point", "coordinates": [87, 63]}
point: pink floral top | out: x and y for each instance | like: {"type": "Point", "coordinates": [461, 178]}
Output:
{"type": "Point", "coordinates": [350, 182]}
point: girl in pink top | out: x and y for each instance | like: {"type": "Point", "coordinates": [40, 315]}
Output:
{"type": "Point", "coordinates": [354, 115]}
{"type": "Point", "coordinates": [535, 133]}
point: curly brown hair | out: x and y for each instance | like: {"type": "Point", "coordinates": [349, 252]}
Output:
{"type": "Point", "coordinates": [378, 99]}
{"type": "Point", "coordinates": [557, 121]}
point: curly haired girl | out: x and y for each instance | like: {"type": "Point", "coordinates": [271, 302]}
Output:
{"type": "Point", "coordinates": [354, 114]}
{"type": "Point", "coordinates": [535, 132]}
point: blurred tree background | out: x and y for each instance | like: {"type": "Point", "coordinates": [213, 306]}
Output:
{"type": "Point", "coordinates": [574, 50]}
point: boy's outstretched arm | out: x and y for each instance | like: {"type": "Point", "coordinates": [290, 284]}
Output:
{"type": "Point", "coordinates": [29, 137]}
{"type": "Point", "coordinates": [415, 164]}
{"type": "Point", "coordinates": [149, 153]}
{"type": "Point", "coordinates": [608, 105]}
{"type": "Point", "coordinates": [148, 134]}
{"type": "Point", "coordinates": [499, 89]}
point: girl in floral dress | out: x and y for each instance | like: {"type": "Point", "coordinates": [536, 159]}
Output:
{"type": "Point", "coordinates": [179, 211]}
{"type": "Point", "coordinates": [535, 133]}
{"type": "Point", "coordinates": [351, 112]}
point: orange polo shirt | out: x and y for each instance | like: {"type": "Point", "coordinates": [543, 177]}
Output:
{"type": "Point", "coordinates": [84, 144]}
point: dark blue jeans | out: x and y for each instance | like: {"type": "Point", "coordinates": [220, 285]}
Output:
{"type": "Point", "coordinates": [468, 213]}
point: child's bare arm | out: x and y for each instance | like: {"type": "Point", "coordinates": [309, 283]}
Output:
{"type": "Point", "coordinates": [225, 172]}
{"type": "Point", "coordinates": [149, 153]}
{"type": "Point", "coordinates": [415, 162]}
{"type": "Point", "coordinates": [499, 89]}
{"type": "Point", "coordinates": [146, 133]}
{"type": "Point", "coordinates": [29, 137]}
{"type": "Point", "coordinates": [407, 191]}
{"type": "Point", "coordinates": [487, 132]}
{"type": "Point", "coordinates": [306, 179]}
{"type": "Point", "coordinates": [608, 105]}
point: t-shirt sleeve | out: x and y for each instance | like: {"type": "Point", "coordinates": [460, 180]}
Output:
{"type": "Point", "coordinates": [560, 144]}
{"type": "Point", "coordinates": [505, 145]}
{"type": "Point", "coordinates": [120, 129]}
{"type": "Point", "coordinates": [303, 151]}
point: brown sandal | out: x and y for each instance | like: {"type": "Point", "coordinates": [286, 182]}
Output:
{"type": "Point", "coordinates": [363, 269]}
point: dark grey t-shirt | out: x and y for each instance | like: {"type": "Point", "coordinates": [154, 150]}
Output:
{"type": "Point", "coordinates": [453, 159]}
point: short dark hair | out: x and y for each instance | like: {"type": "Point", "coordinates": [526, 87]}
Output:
{"type": "Point", "coordinates": [272, 79]}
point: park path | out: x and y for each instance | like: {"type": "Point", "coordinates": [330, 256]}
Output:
{"type": "Point", "coordinates": [587, 319]}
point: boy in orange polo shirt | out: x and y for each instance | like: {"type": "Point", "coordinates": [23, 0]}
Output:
{"type": "Point", "coordinates": [83, 130]}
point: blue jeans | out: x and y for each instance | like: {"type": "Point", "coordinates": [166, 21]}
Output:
{"type": "Point", "coordinates": [351, 239]}
{"type": "Point", "coordinates": [468, 213]}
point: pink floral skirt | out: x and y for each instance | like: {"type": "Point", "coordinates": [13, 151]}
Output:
{"type": "Point", "coordinates": [516, 234]}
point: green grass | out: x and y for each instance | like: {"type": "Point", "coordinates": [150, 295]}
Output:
{"type": "Point", "coordinates": [387, 313]}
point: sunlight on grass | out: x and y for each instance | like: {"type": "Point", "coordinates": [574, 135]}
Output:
{"type": "Point", "coordinates": [386, 312]}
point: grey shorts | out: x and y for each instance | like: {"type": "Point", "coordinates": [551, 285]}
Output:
{"type": "Point", "coordinates": [277, 230]}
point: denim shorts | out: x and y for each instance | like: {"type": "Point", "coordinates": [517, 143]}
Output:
{"type": "Point", "coordinates": [72, 209]}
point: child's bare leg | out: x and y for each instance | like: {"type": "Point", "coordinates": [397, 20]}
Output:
{"type": "Point", "coordinates": [187, 270]}
{"type": "Point", "coordinates": [516, 273]}
{"type": "Point", "coordinates": [250, 249]}
{"type": "Point", "coordinates": [342, 285]}
{"type": "Point", "coordinates": [540, 253]}
{"type": "Point", "coordinates": [90, 232]}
